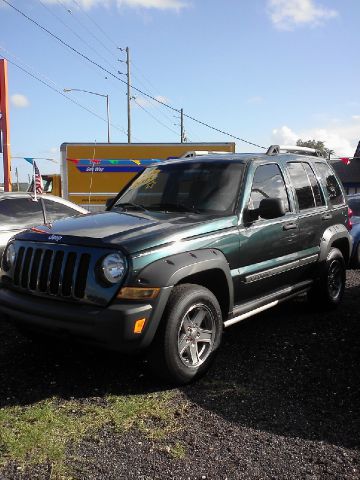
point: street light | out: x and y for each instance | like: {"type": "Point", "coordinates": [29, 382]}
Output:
{"type": "Point", "coordinates": [99, 95]}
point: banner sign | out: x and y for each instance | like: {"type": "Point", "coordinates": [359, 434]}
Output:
{"type": "Point", "coordinates": [96, 165]}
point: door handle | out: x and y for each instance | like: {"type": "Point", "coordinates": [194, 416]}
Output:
{"type": "Point", "coordinates": [327, 216]}
{"type": "Point", "coordinates": [290, 226]}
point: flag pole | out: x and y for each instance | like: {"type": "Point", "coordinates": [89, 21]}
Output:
{"type": "Point", "coordinates": [34, 182]}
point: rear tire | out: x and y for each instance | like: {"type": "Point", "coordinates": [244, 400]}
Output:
{"type": "Point", "coordinates": [328, 290]}
{"type": "Point", "coordinates": [188, 336]}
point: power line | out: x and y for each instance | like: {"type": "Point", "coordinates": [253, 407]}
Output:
{"type": "Point", "coordinates": [83, 25]}
{"type": "Point", "coordinates": [156, 105]}
{"type": "Point", "coordinates": [153, 116]}
{"type": "Point", "coordinates": [114, 43]}
{"type": "Point", "coordinates": [96, 24]}
{"type": "Point", "coordinates": [170, 107]}
{"type": "Point", "coordinates": [78, 5]}
{"type": "Point", "coordinates": [63, 95]}
{"type": "Point", "coordinates": [74, 32]}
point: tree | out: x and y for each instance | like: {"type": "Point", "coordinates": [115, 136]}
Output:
{"type": "Point", "coordinates": [317, 144]}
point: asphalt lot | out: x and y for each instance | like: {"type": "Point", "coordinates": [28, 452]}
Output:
{"type": "Point", "coordinates": [282, 401]}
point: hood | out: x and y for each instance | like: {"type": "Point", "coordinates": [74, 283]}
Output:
{"type": "Point", "coordinates": [133, 232]}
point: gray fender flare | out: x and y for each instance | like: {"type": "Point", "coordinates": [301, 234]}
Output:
{"type": "Point", "coordinates": [331, 235]}
{"type": "Point", "coordinates": [169, 271]}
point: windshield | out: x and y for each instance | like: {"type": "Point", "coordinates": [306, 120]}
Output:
{"type": "Point", "coordinates": [199, 187]}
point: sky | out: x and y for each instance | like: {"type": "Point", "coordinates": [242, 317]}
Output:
{"type": "Point", "coordinates": [267, 71]}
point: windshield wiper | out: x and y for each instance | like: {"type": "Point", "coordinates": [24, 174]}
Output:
{"type": "Point", "coordinates": [176, 207]}
{"type": "Point", "coordinates": [127, 205]}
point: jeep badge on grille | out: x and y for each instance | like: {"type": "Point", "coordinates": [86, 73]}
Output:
{"type": "Point", "coordinates": [56, 238]}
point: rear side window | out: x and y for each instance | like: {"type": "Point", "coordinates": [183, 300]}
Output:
{"type": "Point", "coordinates": [268, 183]}
{"type": "Point", "coordinates": [318, 195]}
{"type": "Point", "coordinates": [57, 210]}
{"type": "Point", "coordinates": [20, 212]}
{"type": "Point", "coordinates": [301, 182]}
{"type": "Point", "coordinates": [331, 184]}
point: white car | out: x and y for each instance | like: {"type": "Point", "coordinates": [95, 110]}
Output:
{"type": "Point", "coordinates": [19, 211]}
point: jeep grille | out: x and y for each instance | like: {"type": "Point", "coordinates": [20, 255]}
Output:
{"type": "Point", "coordinates": [54, 272]}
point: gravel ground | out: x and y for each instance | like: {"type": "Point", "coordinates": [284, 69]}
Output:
{"type": "Point", "coordinates": [282, 401]}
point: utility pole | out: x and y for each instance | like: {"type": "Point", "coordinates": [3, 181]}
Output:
{"type": "Point", "coordinates": [182, 125]}
{"type": "Point", "coordinates": [5, 125]}
{"type": "Point", "coordinates": [127, 61]}
{"type": "Point", "coordinates": [108, 117]}
{"type": "Point", "coordinates": [128, 93]}
{"type": "Point", "coordinates": [17, 179]}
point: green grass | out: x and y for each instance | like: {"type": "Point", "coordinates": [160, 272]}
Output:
{"type": "Point", "coordinates": [42, 432]}
{"type": "Point", "coordinates": [178, 451]}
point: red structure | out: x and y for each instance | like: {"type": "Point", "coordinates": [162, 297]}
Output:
{"type": "Point", "coordinates": [5, 124]}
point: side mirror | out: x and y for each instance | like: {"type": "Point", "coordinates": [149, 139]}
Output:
{"type": "Point", "coordinates": [109, 203]}
{"type": "Point", "coordinates": [271, 208]}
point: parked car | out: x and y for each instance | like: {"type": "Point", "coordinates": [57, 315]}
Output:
{"type": "Point", "coordinates": [190, 247]}
{"type": "Point", "coordinates": [19, 211]}
{"type": "Point", "coordinates": [354, 204]}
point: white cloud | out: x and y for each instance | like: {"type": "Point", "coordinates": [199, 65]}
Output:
{"type": "Point", "coordinates": [162, 99]}
{"type": "Point", "coordinates": [146, 4]}
{"type": "Point", "coordinates": [19, 101]}
{"type": "Point", "coordinates": [284, 136]}
{"type": "Point", "coordinates": [158, 4]}
{"type": "Point", "coordinates": [148, 103]}
{"type": "Point", "coordinates": [255, 100]}
{"type": "Point", "coordinates": [356, 117]}
{"type": "Point", "coordinates": [287, 14]}
{"type": "Point", "coordinates": [341, 138]}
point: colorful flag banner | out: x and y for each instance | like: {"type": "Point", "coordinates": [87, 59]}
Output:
{"type": "Point", "coordinates": [31, 159]}
{"type": "Point", "coordinates": [345, 160]}
{"type": "Point", "coordinates": [111, 165]}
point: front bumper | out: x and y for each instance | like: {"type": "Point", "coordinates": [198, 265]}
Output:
{"type": "Point", "coordinates": [111, 327]}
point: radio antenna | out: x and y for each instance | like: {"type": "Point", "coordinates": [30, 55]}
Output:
{"type": "Point", "coordinates": [92, 174]}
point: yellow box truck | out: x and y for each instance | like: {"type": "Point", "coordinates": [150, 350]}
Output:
{"type": "Point", "coordinates": [92, 173]}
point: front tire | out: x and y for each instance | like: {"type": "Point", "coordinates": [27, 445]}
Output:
{"type": "Point", "coordinates": [189, 335]}
{"type": "Point", "coordinates": [328, 290]}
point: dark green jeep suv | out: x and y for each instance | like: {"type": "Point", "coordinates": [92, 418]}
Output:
{"type": "Point", "coordinates": [188, 248]}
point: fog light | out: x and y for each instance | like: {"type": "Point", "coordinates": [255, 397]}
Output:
{"type": "Point", "coordinates": [139, 325]}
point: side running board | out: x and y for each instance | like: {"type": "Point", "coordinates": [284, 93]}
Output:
{"type": "Point", "coordinates": [254, 307]}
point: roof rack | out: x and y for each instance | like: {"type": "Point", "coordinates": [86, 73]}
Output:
{"type": "Point", "coordinates": [200, 153]}
{"type": "Point", "coordinates": [276, 149]}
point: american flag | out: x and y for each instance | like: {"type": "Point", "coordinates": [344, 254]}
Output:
{"type": "Point", "coordinates": [38, 184]}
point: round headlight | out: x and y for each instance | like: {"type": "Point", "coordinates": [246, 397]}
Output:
{"type": "Point", "coordinates": [113, 267]}
{"type": "Point", "coordinates": [10, 256]}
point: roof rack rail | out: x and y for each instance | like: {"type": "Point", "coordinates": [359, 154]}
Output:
{"type": "Point", "coordinates": [276, 149]}
{"type": "Point", "coordinates": [200, 153]}
{"type": "Point", "coordinates": [273, 150]}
